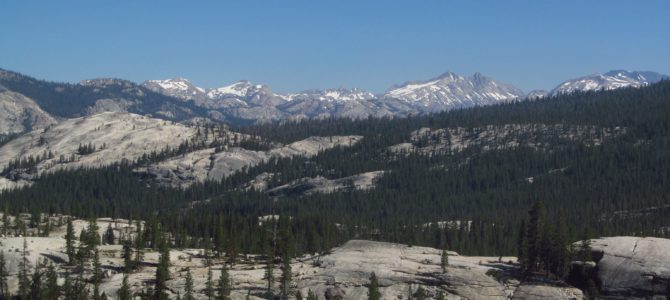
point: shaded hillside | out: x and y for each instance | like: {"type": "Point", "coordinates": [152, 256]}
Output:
{"type": "Point", "coordinates": [74, 100]}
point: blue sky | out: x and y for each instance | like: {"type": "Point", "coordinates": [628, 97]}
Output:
{"type": "Point", "coordinates": [297, 45]}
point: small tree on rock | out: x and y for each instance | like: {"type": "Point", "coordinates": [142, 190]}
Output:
{"type": "Point", "coordinates": [373, 288]}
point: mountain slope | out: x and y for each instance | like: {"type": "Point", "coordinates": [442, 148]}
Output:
{"type": "Point", "coordinates": [253, 102]}
{"type": "Point", "coordinates": [96, 95]}
{"type": "Point", "coordinates": [19, 114]}
{"type": "Point", "coordinates": [608, 81]}
{"type": "Point", "coordinates": [450, 91]}
{"type": "Point", "coordinates": [178, 87]}
{"type": "Point", "coordinates": [244, 102]}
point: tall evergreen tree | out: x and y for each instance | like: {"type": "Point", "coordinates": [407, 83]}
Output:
{"type": "Point", "coordinates": [209, 284]}
{"type": "Point", "coordinates": [535, 236]}
{"type": "Point", "coordinates": [225, 284]}
{"type": "Point", "coordinates": [420, 293]}
{"type": "Point", "coordinates": [69, 242]}
{"type": "Point", "coordinates": [124, 292]}
{"type": "Point", "coordinates": [36, 291]}
{"type": "Point", "coordinates": [285, 279]}
{"type": "Point", "coordinates": [585, 245]}
{"type": "Point", "coordinates": [560, 259]}
{"type": "Point", "coordinates": [311, 295]}
{"type": "Point", "coordinates": [52, 290]}
{"type": "Point", "coordinates": [373, 288]}
{"type": "Point", "coordinates": [444, 261]}
{"type": "Point", "coordinates": [162, 272]}
{"type": "Point", "coordinates": [522, 245]}
{"type": "Point", "coordinates": [109, 235]}
{"type": "Point", "coordinates": [269, 276]}
{"type": "Point", "coordinates": [97, 274]}
{"type": "Point", "coordinates": [4, 289]}
{"type": "Point", "coordinates": [92, 236]}
{"type": "Point", "coordinates": [188, 286]}
{"type": "Point", "coordinates": [127, 254]}
{"type": "Point", "coordinates": [24, 280]}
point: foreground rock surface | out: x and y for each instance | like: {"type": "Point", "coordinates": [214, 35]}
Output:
{"type": "Point", "coordinates": [632, 267]}
{"type": "Point", "coordinates": [345, 271]}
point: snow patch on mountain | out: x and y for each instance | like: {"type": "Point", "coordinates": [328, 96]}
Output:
{"type": "Point", "coordinates": [608, 81]}
{"type": "Point", "coordinates": [177, 87]}
{"type": "Point", "coordinates": [450, 91]}
{"type": "Point", "coordinates": [238, 89]}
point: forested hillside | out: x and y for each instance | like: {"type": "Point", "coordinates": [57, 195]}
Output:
{"type": "Point", "coordinates": [605, 170]}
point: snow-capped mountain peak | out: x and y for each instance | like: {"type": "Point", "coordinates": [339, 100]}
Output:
{"type": "Point", "coordinates": [450, 90]}
{"type": "Point", "coordinates": [332, 95]}
{"type": "Point", "coordinates": [177, 84]}
{"type": "Point", "coordinates": [608, 81]}
{"type": "Point", "coordinates": [176, 87]}
{"type": "Point", "coordinates": [237, 89]}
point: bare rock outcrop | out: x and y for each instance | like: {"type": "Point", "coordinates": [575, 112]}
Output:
{"type": "Point", "coordinates": [632, 267]}
{"type": "Point", "coordinates": [207, 164]}
{"type": "Point", "coordinates": [20, 114]}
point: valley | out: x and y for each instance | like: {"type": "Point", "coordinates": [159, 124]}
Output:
{"type": "Point", "coordinates": [327, 201]}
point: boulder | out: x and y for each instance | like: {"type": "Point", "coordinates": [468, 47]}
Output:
{"type": "Point", "coordinates": [632, 267]}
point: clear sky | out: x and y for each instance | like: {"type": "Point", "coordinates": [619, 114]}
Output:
{"type": "Point", "coordinates": [295, 45]}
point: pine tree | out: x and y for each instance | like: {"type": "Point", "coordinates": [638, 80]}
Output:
{"type": "Point", "coordinates": [219, 240]}
{"type": "Point", "coordinates": [52, 288]}
{"type": "Point", "coordinates": [36, 283]}
{"type": "Point", "coordinates": [298, 295]}
{"type": "Point", "coordinates": [311, 295]}
{"type": "Point", "coordinates": [109, 235]}
{"type": "Point", "coordinates": [5, 220]}
{"type": "Point", "coordinates": [4, 289]}
{"type": "Point", "coordinates": [440, 296]}
{"type": "Point", "coordinates": [124, 292]}
{"type": "Point", "coordinates": [561, 253]}
{"type": "Point", "coordinates": [285, 279]}
{"type": "Point", "coordinates": [188, 286]}
{"type": "Point", "coordinates": [209, 285]}
{"type": "Point", "coordinates": [139, 244]}
{"type": "Point", "coordinates": [420, 293]}
{"type": "Point", "coordinates": [269, 275]}
{"type": "Point", "coordinates": [162, 271]}
{"type": "Point", "coordinates": [69, 242]}
{"type": "Point", "coordinates": [522, 245]}
{"type": "Point", "coordinates": [24, 281]}
{"type": "Point", "coordinates": [444, 261]}
{"type": "Point", "coordinates": [225, 284]}
{"type": "Point", "coordinates": [127, 254]}
{"type": "Point", "coordinates": [92, 236]}
{"type": "Point", "coordinates": [97, 274]}
{"type": "Point", "coordinates": [585, 245]}
{"type": "Point", "coordinates": [535, 237]}
{"type": "Point", "coordinates": [373, 288]}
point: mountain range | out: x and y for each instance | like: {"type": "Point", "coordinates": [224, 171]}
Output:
{"type": "Point", "coordinates": [41, 102]}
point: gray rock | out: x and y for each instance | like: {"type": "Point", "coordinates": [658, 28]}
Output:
{"type": "Point", "coordinates": [19, 114]}
{"type": "Point", "coordinates": [542, 291]}
{"type": "Point", "coordinates": [632, 267]}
